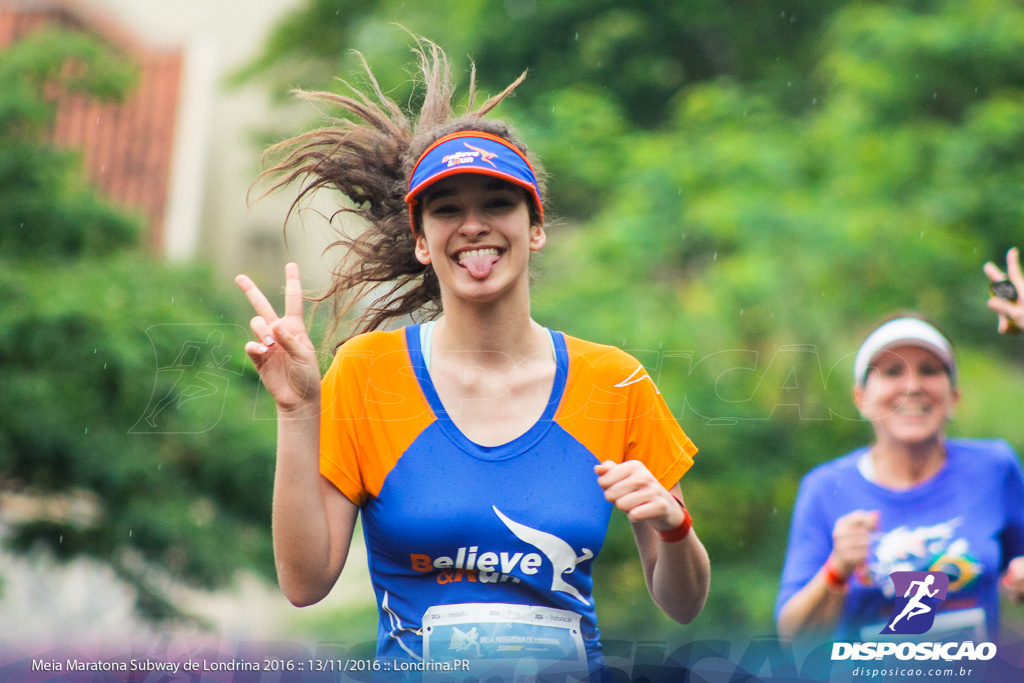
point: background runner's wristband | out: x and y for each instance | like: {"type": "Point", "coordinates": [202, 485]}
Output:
{"type": "Point", "coordinates": [832, 577]}
{"type": "Point", "coordinates": [681, 531]}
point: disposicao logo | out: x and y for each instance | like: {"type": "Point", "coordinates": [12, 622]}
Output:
{"type": "Point", "coordinates": [918, 595]}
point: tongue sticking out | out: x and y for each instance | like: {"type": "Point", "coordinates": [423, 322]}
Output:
{"type": "Point", "coordinates": [479, 265]}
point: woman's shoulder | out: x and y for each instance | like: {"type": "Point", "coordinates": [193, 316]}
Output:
{"type": "Point", "coordinates": [995, 453]}
{"type": "Point", "coordinates": [603, 357]}
{"type": "Point", "coordinates": [372, 342]}
{"type": "Point", "coordinates": [370, 349]}
{"type": "Point", "coordinates": [608, 366]}
{"type": "Point", "coordinates": [837, 468]}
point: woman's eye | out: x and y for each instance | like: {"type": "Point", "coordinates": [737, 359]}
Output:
{"type": "Point", "coordinates": [893, 371]}
{"type": "Point", "coordinates": [930, 370]}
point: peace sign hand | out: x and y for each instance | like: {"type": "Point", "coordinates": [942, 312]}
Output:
{"type": "Point", "coordinates": [284, 355]}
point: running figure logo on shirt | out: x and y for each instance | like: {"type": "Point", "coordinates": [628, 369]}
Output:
{"type": "Point", "coordinates": [918, 594]}
{"type": "Point", "coordinates": [560, 554]}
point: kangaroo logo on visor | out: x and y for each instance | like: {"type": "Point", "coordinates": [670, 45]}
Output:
{"type": "Point", "coordinates": [485, 156]}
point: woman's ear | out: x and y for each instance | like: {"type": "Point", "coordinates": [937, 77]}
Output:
{"type": "Point", "coordinates": [422, 251]}
{"type": "Point", "coordinates": [858, 399]}
{"type": "Point", "coordinates": [538, 238]}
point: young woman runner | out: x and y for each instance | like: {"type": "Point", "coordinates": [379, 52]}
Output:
{"type": "Point", "coordinates": [484, 451]}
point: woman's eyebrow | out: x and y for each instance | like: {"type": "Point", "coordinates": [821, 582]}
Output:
{"type": "Point", "coordinates": [441, 193]}
{"type": "Point", "coordinates": [499, 184]}
{"type": "Point", "coordinates": [492, 185]}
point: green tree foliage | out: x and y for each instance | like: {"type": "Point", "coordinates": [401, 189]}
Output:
{"type": "Point", "coordinates": [744, 191]}
{"type": "Point", "coordinates": [127, 411]}
{"type": "Point", "coordinates": [38, 181]}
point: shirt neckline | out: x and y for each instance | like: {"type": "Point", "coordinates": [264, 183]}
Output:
{"type": "Point", "coordinates": [427, 342]}
{"type": "Point", "coordinates": [923, 488]}
{"type": "Point", "coordinates": [511, 448]}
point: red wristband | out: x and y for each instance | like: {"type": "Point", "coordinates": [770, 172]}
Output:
{"type": "Point", "coordinates": [832, 576]}
{"type": "Point", "coordinates": [681, 531]}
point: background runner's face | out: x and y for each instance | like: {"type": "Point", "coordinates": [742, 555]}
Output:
{"type": "Point", "coordinates": [476, 233]}
{"type": "Point", "coordinates": [908, 395]}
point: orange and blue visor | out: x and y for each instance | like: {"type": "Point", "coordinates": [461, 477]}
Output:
{"type": "Point", "coordinates": [472, 151]}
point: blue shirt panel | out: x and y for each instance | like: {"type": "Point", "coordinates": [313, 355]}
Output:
{"type": "Point", "coordinates": [439, 499]}
{"type": "Point", "coordinates": [439, 506]}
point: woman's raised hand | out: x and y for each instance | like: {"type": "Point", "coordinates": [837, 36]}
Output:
{"type": "Point", "coordinates": [284, 355]}
{"type": "Point", "coordinates": [1013, 580]}
{"type": "Point", "coordinates": [632, 488]}
{"type": "Point", "coordinates": [851, 540]}
{"type": "Point", "coordinates": [1011, 313]}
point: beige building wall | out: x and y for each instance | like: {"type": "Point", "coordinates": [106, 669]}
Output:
{"type": "Point", "coordinates": [45, 603]}
{"type": "Point", "coordinates": [216, 154]}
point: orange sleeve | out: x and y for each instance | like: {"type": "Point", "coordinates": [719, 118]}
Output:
{"type": "Point", "coordinates": [655, 438]}
{"type": "Point", "coordinates": [613, 408]}
{"type": "Point", "coordinates": [373, 409]}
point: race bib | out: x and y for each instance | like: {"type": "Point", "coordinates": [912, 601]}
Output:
{"type": "Point", "coordinates": [499, 632]}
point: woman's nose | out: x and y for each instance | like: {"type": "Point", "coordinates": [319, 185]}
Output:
{"type": "Point", "coordinates": [914, 381]}
{"type": "Point", "coordinates": [474, 223]}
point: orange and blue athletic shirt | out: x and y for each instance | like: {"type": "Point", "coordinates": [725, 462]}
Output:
{"type": "Point", "coordinates": [448, 522]}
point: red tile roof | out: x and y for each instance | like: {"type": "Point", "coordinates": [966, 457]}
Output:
{"type": "Point", "coordinates": [127, 148]}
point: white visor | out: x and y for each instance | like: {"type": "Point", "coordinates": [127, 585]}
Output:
{"type": "Point", "coordinates": [903, 332]}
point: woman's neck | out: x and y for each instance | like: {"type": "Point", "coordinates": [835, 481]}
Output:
{"type": "Point", "coordinates": [504, 329]}
{"type": "Point", "coordinates": [902, 466]}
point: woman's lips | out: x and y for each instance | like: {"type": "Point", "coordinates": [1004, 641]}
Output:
{"type": "Point", "coordinates": [479, 262]}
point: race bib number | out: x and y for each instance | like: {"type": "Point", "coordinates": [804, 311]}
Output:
{"type": "Point", "coordinates": [501, 632]}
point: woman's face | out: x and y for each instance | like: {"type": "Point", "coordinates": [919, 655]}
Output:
{"type": "Point", "coordinates": [908, 396]}
{"type": "Point", "coordinates": [476, 232]}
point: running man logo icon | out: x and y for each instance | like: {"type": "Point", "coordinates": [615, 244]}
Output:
{"type": "Point", "coordinates": [195, 366]}
{"type": "Point", "coordinates": [918, 595]}
{"type": "Point", "coordinates": [463, 640]}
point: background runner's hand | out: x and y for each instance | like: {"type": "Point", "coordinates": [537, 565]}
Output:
{"type": "Point", "coordinates": [632, 488]}
{"type": "Point", "coordinates": [1013, 579]}
{"type": "Point", "coordinates": [1008, 310]}
{"type": "Point", "coordinates": [851, 539]}
{"type": "Point", "coordinates": [284, 355]}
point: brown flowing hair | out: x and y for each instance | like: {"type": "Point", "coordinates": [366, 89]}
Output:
{"type": "Point", "coordinates": [367, 155]}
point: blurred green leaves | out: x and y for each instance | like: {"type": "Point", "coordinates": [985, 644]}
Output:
{"type": "Point", "coordinates": [105, 408]}
{"type": "Point", "coordinates": [743, 190]}
{"type": "Point", "coordinates": [41, 186]}
{"type": "Point", "coordinates": [36, 67]}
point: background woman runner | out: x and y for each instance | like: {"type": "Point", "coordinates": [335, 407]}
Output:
{"type": "Point", "coordinates": [484, 451]}
{"type": "Point", "coordinates": [912, 501]}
